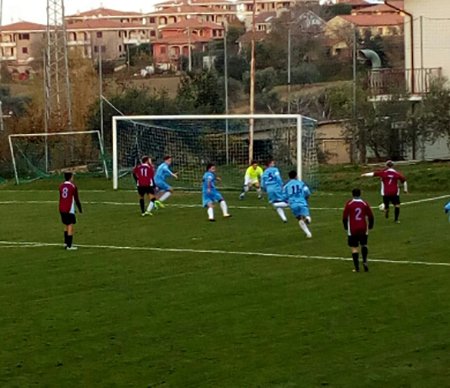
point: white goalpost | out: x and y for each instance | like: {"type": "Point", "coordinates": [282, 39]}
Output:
{"type": "Point", "coordinates": [36, 155]}
{"type": "Point", "coordinates": [195, 140]}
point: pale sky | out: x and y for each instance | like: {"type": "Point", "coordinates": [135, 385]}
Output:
{"type": "Point", "coordinates": [36, 10]}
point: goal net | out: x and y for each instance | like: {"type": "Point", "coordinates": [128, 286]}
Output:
{"type": "Point", "coordinates": [39, 155]}
{"type": "Point", "coordinates": [193, 141]}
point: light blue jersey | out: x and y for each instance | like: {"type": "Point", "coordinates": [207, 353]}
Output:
{"type": "Point", "coordinates": [272, 183]}
{"type": "Point", "coordinates": [162, 173]}
{"type": "Point", "coordinates": [297, 193]}
{"type": "Point", "coordinates": [209, 191]}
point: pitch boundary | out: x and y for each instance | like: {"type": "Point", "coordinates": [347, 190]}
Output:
{"type": "Point", "coordinates": [179, 205]}
{"type": "Point", "coordinates": [31, 244]}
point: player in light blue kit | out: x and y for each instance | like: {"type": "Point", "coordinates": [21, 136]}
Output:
{"type": "Point", "coordinates": [162, 173]}
{"type": "Point", "coordinates": [447, 210]}
{"type": "Point", "coordinates": [297, 193]}
{"type": "Point", "coordinates": [272, 184]}
{"type": "Point", "coordinates": [210, 194]}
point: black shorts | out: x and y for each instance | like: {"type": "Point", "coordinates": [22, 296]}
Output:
{"type": "Point", "coordinates": [355, 240]}
{"type": "Point", "coordinates": [68, 218]}
{"type": "Point", "coordinates": [394, 199]}
{"type": "Point", "coordinates": [142, 190]}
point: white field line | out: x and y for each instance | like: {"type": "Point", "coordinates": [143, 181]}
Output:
{"type": "Point", "coordinates": [178, 205]}
{"type": "Point", "coordinates": [29, 244]}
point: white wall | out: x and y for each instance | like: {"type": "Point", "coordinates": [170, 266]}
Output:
{"type": "Point", "coordinates": [431, 34]}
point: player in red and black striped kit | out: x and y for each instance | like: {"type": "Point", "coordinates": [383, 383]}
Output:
{"type": "Point", "coordinates": [390, 189]}
{"type": "Point", "coordinates": [144, 174]}
{"type": "Point", "coordinates": [358, 219]}
{"type": "Point", "coordinates": [68, 198]}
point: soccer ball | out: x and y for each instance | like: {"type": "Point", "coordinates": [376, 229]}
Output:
{"type": "Point", "coordinates": [381, 207]}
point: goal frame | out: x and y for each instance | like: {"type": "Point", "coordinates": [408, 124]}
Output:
{"type": "Point", "coordinates": [49, 134]}
{"type": "Point", "coordinates": [116, 119]}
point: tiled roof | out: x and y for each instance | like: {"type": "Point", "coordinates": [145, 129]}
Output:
{"type": "Point", "coordinates": [23, 27]}
{"type": "Point", "coordinates": [102, 24]}
{"type": "Point", "coordinates": [373, 20]}
{"type": "Point", "coordinates": [187, 9]}
{"type": "Point", "coordinates": [191, 23]}
{"type": "Point", "coordinates": [382, 8]}
{"type": "Point", "coordinates": [182, 39]}
{"type": "Point", "coordinates": [354, 3]}
{"type": "Point", "coordinates": [103, 12]}
{"type": "Point", "coordinates": [247, 37]}
{"type": "Point", "coordinates": [264, 17]}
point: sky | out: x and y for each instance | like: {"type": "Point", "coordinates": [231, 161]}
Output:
{"type": "Point", "coordinates": [36, 10]}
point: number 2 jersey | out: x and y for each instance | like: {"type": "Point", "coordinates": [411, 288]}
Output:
{"type": "Point", "coordinates": [389, 181]}
{"type": "Point", "coordinates": [68, 197]}
{"type": "Point", "coordinates": [358, 217]}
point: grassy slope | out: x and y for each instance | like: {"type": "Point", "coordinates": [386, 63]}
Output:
{"type": "Point", "coordinates": [119, 318]}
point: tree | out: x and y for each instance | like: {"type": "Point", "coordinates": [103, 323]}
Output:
{"type": "Point", "coordinates": [198, 93]}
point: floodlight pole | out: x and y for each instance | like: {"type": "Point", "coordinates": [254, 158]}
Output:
{"type": "Point", "coordinates": [225, 74]}
{"type": "Point", "coordinates": [252, 88]}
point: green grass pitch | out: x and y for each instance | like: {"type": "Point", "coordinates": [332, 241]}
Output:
{"type": "Point", "coordinates": [200, 311]}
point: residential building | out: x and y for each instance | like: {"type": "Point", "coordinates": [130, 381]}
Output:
{"type": "Point", "coordinates": [111, 37]}
{"type": "Point", "coordinates": [380, 9]}
{"type": "Point", "coordinates": [429, 35]}
{"type": "Point", "coordinates": [21, 43]}
{"type": "Point", "coordinates": [183, 38]}
{"type": "Point", "coordinates": [340, 29]}
{"type": "Point", "coordinates": [106, 14]}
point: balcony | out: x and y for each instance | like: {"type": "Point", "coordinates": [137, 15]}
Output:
{"type": "Point", "coordinates": [416, 82]}
{"type": "Point", "coordinates": [8, 44]}
{"type": "Point", "coordinates": [78, 43]}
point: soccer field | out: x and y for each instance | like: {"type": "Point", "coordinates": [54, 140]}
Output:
{"type": "Point", "coordinates": [173, 300]}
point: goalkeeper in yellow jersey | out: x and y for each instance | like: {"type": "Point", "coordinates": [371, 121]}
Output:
{"type": "Point", "coordinates": [252, 178]}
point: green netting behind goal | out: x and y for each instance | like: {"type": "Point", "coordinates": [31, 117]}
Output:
{"type": "Point", "coordinates": [195, 142]}
{"type": "Point", "coordinates": [37, 156]}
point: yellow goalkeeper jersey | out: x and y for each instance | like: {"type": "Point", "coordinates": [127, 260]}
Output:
{"type": "Point", "coordinates": [254, 174]}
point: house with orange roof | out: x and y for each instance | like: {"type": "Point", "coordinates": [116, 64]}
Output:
{"type": "Point", "coordinates": [380, 9]}
{"type": "Point", "coordinates": [182, 38]}
{"type": "Point", "coordinates": [339, 30]}
{"type": "Point", "coordinates": [21, 43]}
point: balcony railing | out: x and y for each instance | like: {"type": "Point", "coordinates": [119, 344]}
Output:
{"type": "Point", "coordinates": [411, 81]}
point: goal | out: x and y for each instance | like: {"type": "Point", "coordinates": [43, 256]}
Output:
{"type": "Point", "coordinates": [195, 140]}
{"type": "Point", "coordinates": [38, 155]}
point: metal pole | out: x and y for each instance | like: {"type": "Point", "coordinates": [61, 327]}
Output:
{"type": "Point", "coordinates": [2, 125]}
{"type": "Point", "coordinates": [16, 174]}
{"type": "Point", "coordinates": [47, 107]}
{"type": "Point", "coordinates": [299, 147]}
{"type": "Point", "coordinates": [189, 50]}
{"type": "Point", "coordinates": [354, 153]}
{"type": "Point", "coordinates": [100, 72]}
{"type": "Point", "coordinates": [115, 155]}
{"type": "Point", "coordinates": [225, 74]}
{"type": "Point", "coordinates": [289, 69]}
{"type": "Point", "coordinates": [252, 87]}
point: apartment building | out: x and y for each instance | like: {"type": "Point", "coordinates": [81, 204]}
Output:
{"type": "Point", "coordinates": [21, 43]}
{"type": "Point", "coordinates": [106, 14]}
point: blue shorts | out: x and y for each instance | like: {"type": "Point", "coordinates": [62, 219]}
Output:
{"type": "Point", "coordinates": [275, 195]}
{"type": "Point", "coordinates": [163, 186]}
{"type": "Point", "coordinates": [300, 211]}
{"type": "Point", "coordinates": [213, 196]}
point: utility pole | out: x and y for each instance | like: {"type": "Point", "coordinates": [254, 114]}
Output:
{"type": "Point", "coordinates": [189, 51]}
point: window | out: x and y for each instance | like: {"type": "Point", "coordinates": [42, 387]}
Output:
{"type": "Point", "coordinates": [120, 48]}
{"type": "Point", "coordinates": [24, 50]}
{"type": "Point", "coordinates": [24, 36]}
{"type": "Point", "coordinates": [162, 50]}
{"type": "Point", "coordinates": [103, 49]}
{"type": "Point", "coordinates": [95, 49]}
{"type": "Point", "coordinates": [152, 20]}
{"type": "Point", "coordinates": [99, 34]}
{"type": "Point", "coordinates": [152, 33]}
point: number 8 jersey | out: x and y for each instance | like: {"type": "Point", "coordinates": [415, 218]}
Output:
{"type": "Point", "coordinates": [358, 217]}
{"type": "Point", "coordinates": [68, 197]}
